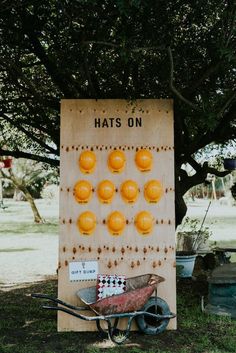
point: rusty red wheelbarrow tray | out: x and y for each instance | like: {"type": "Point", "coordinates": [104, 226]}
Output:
{"type": "Point", "coordinates": [138, 291]}
{"type": "Point", "coordinates": [134, 303]}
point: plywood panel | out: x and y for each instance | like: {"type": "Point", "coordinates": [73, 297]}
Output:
{"type": "Point", "coordinates": [102, 126]}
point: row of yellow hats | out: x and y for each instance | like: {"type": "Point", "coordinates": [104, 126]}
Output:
{"type": "Point", "coordinates": [116, 161]}
{"type": "Point", "coordinates": [115, 222]}
{"type": "Point", "coordinates": [129, 190]}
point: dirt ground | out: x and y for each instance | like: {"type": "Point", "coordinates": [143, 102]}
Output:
{"type": "Point", "coordinates": [26, 328]}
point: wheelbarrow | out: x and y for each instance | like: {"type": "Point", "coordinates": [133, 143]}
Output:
{"type": "Point", "coordinates": [152, 314]}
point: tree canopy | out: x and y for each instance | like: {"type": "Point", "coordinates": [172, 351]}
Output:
{"type": "Point", "coordinates": [54, 49]}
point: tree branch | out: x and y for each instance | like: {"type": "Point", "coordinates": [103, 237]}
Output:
{"type": "Point", "coordinates": [65, 84]}
{"type": "Point", "coordinates": [227, 103]}
{"type": "Point", "coordinates": [52, 132]}
{"type": "Point", "coordinates": [90, 81]}
{"type": "Point", "coordinates": [103, 43]}
{"type": "Point", "coordinates": [172, 86]}
{"type": "Point", "coordinates": [28, 133]}
{"type": "Point", "coordinates": [18, 74]}
{"type": "Point", "coordinates": [201, 76]}
{"type": "Point", "coordinates": [21, 154]}
{"type": "Point", "coordinates": [218, 133]}
{"type": "Point", "coordinates": [201, 174]}
{"type": "Point", "coordinates": [211, 68]}
{"type": "Point", "coordinates": [196, 166]}
{"type": "Point", "coordinates": [232, 27]}
{"type": "Point", "coordinates": [120, 46]}
{"type": "Point", "coordinates": [18, 77]}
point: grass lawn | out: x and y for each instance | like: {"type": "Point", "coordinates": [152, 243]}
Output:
{"type": "Point", "coordinates": [26, 328]}
{"type": "Point", "coordinates": [28, 251]}
{"type": "Point", "coordinates": [17, 217]}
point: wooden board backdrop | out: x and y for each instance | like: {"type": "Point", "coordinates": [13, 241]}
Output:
{"type": "Point", "coordinates": [130, 253]}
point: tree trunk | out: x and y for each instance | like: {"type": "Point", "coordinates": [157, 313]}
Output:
{"type": "Point", "coordinates": [180, 205]}
{"type": "Point", "coordinates": [29, 198]}
{"type": "Point", "coordinates": [21, 186]}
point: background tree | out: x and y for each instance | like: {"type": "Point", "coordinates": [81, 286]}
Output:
{"type": "Point", "coordinates": [29, 177]}
{"type": "Point", "coordinates": [119, 49]}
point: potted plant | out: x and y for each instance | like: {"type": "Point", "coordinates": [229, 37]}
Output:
{"type": "Point", "coordinates": [191, 238]}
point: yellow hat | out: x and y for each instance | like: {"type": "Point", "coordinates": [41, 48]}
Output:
{"type": "Point", "coordinates": [153, 191]}
{"type": "Point", "coordinates": [143, 160]}
{"type": "Point", "coordinates": [86, 222]}
{"type": "Point", "coordinates": [106, 190]}
{"type": "Point", "coordinates": [87, 161]}
{"type": "Point", "coordinates": [144, 222]}
{"type": "Point", "coordinates": [129, 191]}
{"type": "Point", "coordinates": [116, 223]}
{"type": "Point", "coordinates": [83, 191]}
{"type": "Point", "coordinates": [116, 161]}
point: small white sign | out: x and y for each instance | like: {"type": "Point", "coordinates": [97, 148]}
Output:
{"type": "Point", "coordinates": [83, 270]}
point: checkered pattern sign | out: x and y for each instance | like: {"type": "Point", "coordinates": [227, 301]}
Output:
{"type": "Point", "coordinates": [108, 285]}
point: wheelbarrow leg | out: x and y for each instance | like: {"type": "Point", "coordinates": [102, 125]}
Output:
{"type": "Point", "coordinates": [122, 335]}
{"type": "Point", "coordinates": [104, 332]}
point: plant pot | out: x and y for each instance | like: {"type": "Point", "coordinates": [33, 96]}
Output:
{"type": "Point", "coordinates": [230, 164]}
{"type": "Point", "coordinates": [185, 259]}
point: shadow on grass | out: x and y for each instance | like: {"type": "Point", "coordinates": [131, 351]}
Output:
{"type": "Point", "coordinates": [29, 228]}
{"type": "Point", "coordinates": [16, 250]}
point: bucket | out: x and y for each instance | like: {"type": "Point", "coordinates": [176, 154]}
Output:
{"type": "Point", "coordinates": [187, 262]}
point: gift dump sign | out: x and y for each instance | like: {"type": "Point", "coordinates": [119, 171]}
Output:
{"type": "Point", "coordinates": [116, 197]}
{"type": "Point", "coordinates": [83, 270]}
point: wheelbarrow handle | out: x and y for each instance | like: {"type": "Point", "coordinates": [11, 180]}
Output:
{"type": "Point", "coordinates": [58, 301]}
{"type": "Point", "coordinates": [70, 312]}
{"type": "Point", "coordinates": [111, 328]}
{"type": "Point", "coordinates": [43, 296]}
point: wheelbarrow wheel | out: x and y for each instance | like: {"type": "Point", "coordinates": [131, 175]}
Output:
{"type": "Point", "coordinates": [151, 325]}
